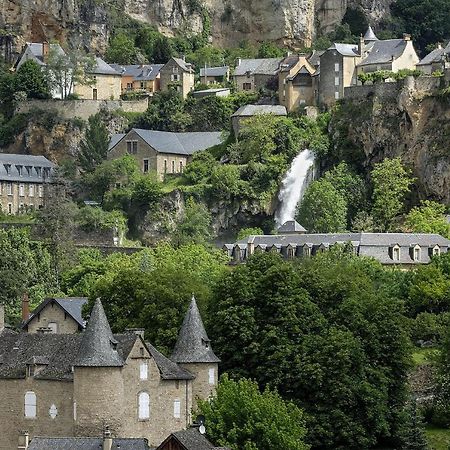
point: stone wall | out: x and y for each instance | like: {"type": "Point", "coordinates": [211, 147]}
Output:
{"type": "Point", "coordinates": [83, 109]}
{"type": "Point", "coordinates": [53, 313]}
{"type": "Point", "coordinates": [381, 90]}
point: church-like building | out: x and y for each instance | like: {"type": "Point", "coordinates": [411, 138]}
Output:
{"type": "Point", "coordinates": [76, 384]}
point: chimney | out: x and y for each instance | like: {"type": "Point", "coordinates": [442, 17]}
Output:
{"type": "Point", "coordinates": [25, 307]}
{"type": "Point", "coordinates": [45, 51]}
{"type": "Point", "coordinates": [2, 317]}
{"type": "Point", "coordinates": [138, 331]}
{"type": "Point", "coordinates": [361, 46]}
{"type": "Point", "coordinates": [107, 439]}
{"type": "Point", "coordinates": [406, 37]}
{"type": "Point", "coordinates": [24, 439]}
{"type": "Point", "coordinates": [238, 62]}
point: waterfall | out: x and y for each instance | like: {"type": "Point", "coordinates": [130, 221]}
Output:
{"type": "Point", "coordinates": [294, 185]}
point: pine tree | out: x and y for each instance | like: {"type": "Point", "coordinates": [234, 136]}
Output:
{"type": "Point", "coordinates": [413, 436]}
{"type": "Point", "coordinates": [94, 146]}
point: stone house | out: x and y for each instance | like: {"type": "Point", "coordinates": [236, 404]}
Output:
{"type": "Point", "coordinates": [211, 75]}
{"type": "Point", "coordinates": [39, 53]}
{"type": "Point", "coordinates": [106, 83]}
{"type": "Point", "coordinates": [250, 75]}
{"type": "Point", "coordinates": [296, 83]}
{"type": "Point", "coordinates": [22, 182]}
{"type": "Point", "coordinates": [247, 111]}
{"type": "Point", "coordinates": [190, 439]}
{"type": "Point", "coordinates": [55, 315]}
{"type": "Point", "coordinates": [179, 75]}
{"type": "Point", "coordinates": [161, 151]}
{"type": "Point", "coordinates": [436, 61]}
{"type": "Point", "coordinates": [64, 385]}
{"type": "Point", "coordinates": [401, 249]}
{"type": "Point", "coordinates": [139, 78]}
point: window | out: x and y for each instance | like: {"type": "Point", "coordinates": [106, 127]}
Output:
{"type": "Point", "coordinates": [336, 95]}
{"type": "Point", "coordinates": [177, 409]}
{"type": "Point", "coordinates": [142, 85]}
{"type": "Point", "coordinates": [143, 371]}
{"type": "Point", "coordinates": [336, 81]}
{"type": "Point", "coordinates": [19, 170]}
{"type": "Point", "coordinates": [41, 190]}
{"type": "Point", "coordinates": [129, 86]}
{"type": "Point", "coordinates": [165, 166]}
{"type": "Point", "coordinates": [134, 147]}
{"type": "Point", "coordinates": [175, 77]}
{"type": "Point", "coordinates": [290, 252]}
{"type": "Point", "coordinates": [144, 406]}
{"type": "Point", "coordinates": [212, 375]}
{"type": "Point", "coordinates": [53, 326]}
{"type": "Point", "coordinates": [21, 190]}
{"type": "Point", "coordinates": [336, 67]}
{"type": "Point", "coordinates": [396, 253]}
{"type": "Point", "coordinates": [30, 370]}
{"type": "Point", "coordinates": [129, 147]}
{"type": "Point", "coordinates": [146, 165]}
{"type": "Point", "coordinates": [436, 250]}
{"type": "Point", "coordinates": [181, 166]}
{"type": "Point", "coordinates": [9, 189]}
{"type": "Point", "coordinates": [31, 190]}
{"type": "Point", "coordinates": [417, 253]}
{"type": "Point", "coordinates": [247, 86]}
{"type": "Point", "coordinates": [173, 166]}
{"type": "Point", "coordinates": [8, 168]}
{"type": "Point", "coordinates": [9, 208]}
{"type": "Point", "coordinates": [38, 171]}
{"type": "Point", "coordinates": [307, 251]}
{"type": "Point", "coordinates": [30, 405]}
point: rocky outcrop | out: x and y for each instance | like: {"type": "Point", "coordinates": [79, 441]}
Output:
{"type": "Point", "coordinates": [88, 23]}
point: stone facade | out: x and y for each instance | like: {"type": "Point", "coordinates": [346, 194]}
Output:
{"type": "Point", "coordinates": [104, 87]}
{"type": "Point", "coordinates": [53, 315]}
{"type": "Point", "coordinates": [178, 75]}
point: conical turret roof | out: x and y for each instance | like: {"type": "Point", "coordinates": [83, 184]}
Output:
{"type": "Point", "coordinates": [370, 36]}
{"type": "Point", "coordinates": [193, 344]}
{"type": "Point", "coordinates": [98, 347]}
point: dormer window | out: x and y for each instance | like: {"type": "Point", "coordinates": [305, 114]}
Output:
{"type": "Point", "coordinates": [30, 370]}
{"type": "Point", "coordinates": [205, 343]}
{"type": "Point", "coordinates": [7, 168]}
{"type": "Point", "coordinates": [396, 253]}
{"type": "Point", "coordinates": [436, 250]}
{"type": "Point", "coordinates": [417, 253]}
{"type": "Point", "coordinates": [19, 170]}
{"type": "Point", "coordinates": [306, 250]}
{"type": "Point", "coordinates": [29, 170]}
{"type": "Point", "coordinates": [290, 252]}
{"type": "Point", "coordinates": [38, 171]}
{"type": "Point", "coordinates": [113, 344]}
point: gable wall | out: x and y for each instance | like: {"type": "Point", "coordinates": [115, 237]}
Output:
{"type": "Point", "coordinates": [66, 324]}
{"type": "Point", "coordinates": [407, 60]}
{"type": "Point", "coordinates": [108, 88]}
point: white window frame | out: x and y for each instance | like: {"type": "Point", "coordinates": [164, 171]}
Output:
{"type": "Point", "coordinates": [30, 405]}
{"type": "Point", "coordinates": [396, 253]}
{"type": "Point", "coordinates": [336, 81]}
{"type": "Point", "coordinates": [21, 190]}
{"type": "Point", "coordinates": [41, 191]}
{"type": "Point", "coordinates": [436, 250]}
{"type": "Point", "coordinates": [417, 253]}
{"type": "Point", "coordinates": [9, 188]}
{"type": "Point", "coordinates": [143, 371]}
{"type": "Point", "coordinates": [336, 67]}
{"type": "Point", "coordinates": [143, 405]}
{"type": "Point", "coordinates": [53, 326]}
{"type": "Point", "coordinates": [336, 95]}
{"type": "Point", "coordinates": [212, 376]}
{"type": "Point", "coordinates": [31, 190]}
{"type": "Point", "coordinates": [177, 408]}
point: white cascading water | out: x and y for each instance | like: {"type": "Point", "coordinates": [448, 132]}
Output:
{"type": "Point", "coordinates": [294, 185]}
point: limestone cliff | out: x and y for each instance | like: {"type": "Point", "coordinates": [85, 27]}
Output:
{"type": "Point", "coordinates": [90, 22]}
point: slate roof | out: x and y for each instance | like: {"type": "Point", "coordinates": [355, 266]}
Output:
{"type": "Point", "coordinates": [253, 110]}
{"type": "Point", "coordinates": [370, 35]}
{"type": "Point", "coordinates": [384, 51]}
{"type": "Point", "coordinates": [167, 368]}
{"type": "Point", "coordinates": [115, 139]}
{"type": "Point", "coordinates": [103, 68]}
{"type": "Point", "coordinates": [139, 72]}
{"type": "Point", "coordinates": [263, 66]}
{"type": "Point", "coordinates": [176, 143]}
{"type": "Point", "coordinates": [37, 50]}
{"type": "Point", "coordinates": [345, 49]}
{"type": "Point", "coordinates": [291, 226]}
{"type": "Point", "coordinates": [85, 443]}
{"type": "Point", "coordinates": [191, 439]}
{"type": "Point", "coordinates": [434, 56]}
{"type": "Point", "coordinates": [314, 59]}
{"type": "Point", "coordinates": [71, 305]}
{"type": "Point", "coordinates": [214, 71]}
{"type": "Point", "coordinates": [14, 161]}
{"type": "Point", "coordinates": [193, 344]}
{"type": "Point", "coordinates": [187, 67]}
{"type": "Point", "coordinates": [98, 347]}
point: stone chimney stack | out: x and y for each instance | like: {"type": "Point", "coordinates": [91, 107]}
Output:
{"type": "Point", "coordinates": [2, 317]}
{"type": "Point", "coordinates": [406, 37]}
{"type": "Point", "coordinates": [361, 46]}
{"type": "Point", "coordinates": [107, 439]}
{"type": "Point", "coordinates": [24, 440]}
{"type": "Point", "coordinates": [238, 62]}
{"type": "Point", "coordinates": [45, 51]}
{"type": "Point", "coordinates": [25, 307]}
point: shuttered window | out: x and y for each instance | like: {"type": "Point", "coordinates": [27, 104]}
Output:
{"type": "Point", "coordinates": [30, 405]}
{"type": "Point", "coordinates": [212, 376]}
{"type": "Point", "coordinates": [144, 406]}
{"type": "Point", "coordinates": [143, 372]}
{"type": "Point", "coordinates": [177, 409]}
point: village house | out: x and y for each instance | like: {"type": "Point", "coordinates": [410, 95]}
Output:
{"type": "Point", "coordinates": [436, 61]}
{"type": "Point", "coordinates": [105, 85]}
{"type": "Point", "coordinates": [62, 385]}
{"type": "Point", "coordinates": [54, 315]}
{"type": "Point", "coordinates": [247, 111]}
{"type": "Point", "coordinates": [39, 53]}
{"type": "Point", "coordinates": [179, 75]}
{"type": "Point", "coordinates": [161, 151]}
{"type": "Point", "coordinates": [292, 241]}
{"type": "Point", "coordinates": [139, 78]}
{"type": "Point", "coordinates": [22, 182]}
{"type": "Point", "coordinates": [251, 75]}
{"type": "Point", "coordinates": [212, 75]}
{"type": "Point", "coordinates": [190, 439]}
{"type": "Point", "coordinates": [297, 83]}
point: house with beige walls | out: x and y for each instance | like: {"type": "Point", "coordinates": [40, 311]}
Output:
{"type": "Point", "coordinates": [163, 152]}
{"type": "Point", "coordinates": [179, 75]}
{"type": "Point", "coordinates": [251, 75]}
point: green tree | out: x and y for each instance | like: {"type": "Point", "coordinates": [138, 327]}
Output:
{"type": "Point", "coordinates": [323, 209]}
{"type": "Point", "coordinates": [270, 50]}
{"type": "Point", "coordinates": [121, 50]}
{"type": "Point", "coordinates": [94, 146]}
{"type": "Point", "coordinates": [391, 182]}
{"type": "Point", "coordinates": [225, 181]}
{"type": "Point", "coordinates": [246, 232]}
{"type": "Point", "coordinates": [413, 436]}
{"type": "Point", "coordinates": [441, 400]}
{"type": "Point", "coordinates": [31, 79]}
{"type": "Point", "coordinates": [429, 217]}
{"type": "Point", "coordinates": [162, 50]}
{"type": "Point", "coordinates": [241, 417]}
{"type": "Point", "coordinates": [201, 166]}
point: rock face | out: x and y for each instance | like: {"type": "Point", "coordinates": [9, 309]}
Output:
{"type": "Point", "coordinates": [89, 22]}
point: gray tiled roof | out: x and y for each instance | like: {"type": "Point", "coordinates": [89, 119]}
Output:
{"type": "Point", "coordinates": [193, 344]}
{"type": "Point", "coordinates": [115, 139]}
{"type": "Point", "coordinates": [36, 165]}
{"type": "Point", "coordinates": [214, 71]}
{"type": "Point", "coordinates": [190, 439]}
{"type": "Point", "coordinates": [252, 110]}
{"type": "Point", "coordinates": [187, 67]}
{"type": "Point", "coordinates": [435, 56]}
{"type": "Point", "coordinates": [98, 347]}
{"type": "Point", "coordinates": [314, 59]}
{"type": "Point", "coordinates": [291, 226]}
{"type": "Point", "coordinates": [85, 443]}
{"type": "Point", "coordinates": [103, 68]}
{"type": "Point", "coordinates": [71, 305]}
{"type": "Point", "coordinates": [384, 51]}
{"type": "Point", "coordinates": [37, 50]}
{"type": "Point", "coordinates": [179, 143]}
{"type": "Point", "coordinates": [345, 49]}
{"type": "Point", "coordinates": [370, 35]}
{"type": "Point", "coordinates": [139, 72]}
{"type": "Point", "coordinates": [264, 66]}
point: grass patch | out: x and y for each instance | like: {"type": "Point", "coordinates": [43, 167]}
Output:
{"type": "Point", "coordinates": [438, 438]}
{"type": "Point", "coordinates": [422, 356]}
{"type": "Point", "coordinates": [172, 183]}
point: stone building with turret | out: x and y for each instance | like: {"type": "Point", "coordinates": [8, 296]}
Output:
{"type": "Point", "coordinates": [64, 385]}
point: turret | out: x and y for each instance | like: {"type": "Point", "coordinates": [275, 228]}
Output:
{"type": "Point", "coordinates": [370, 36]}
{"type": "Point", "coordinates": [193, 351]}
{"type": "Point", "coordinates": [98, 382]}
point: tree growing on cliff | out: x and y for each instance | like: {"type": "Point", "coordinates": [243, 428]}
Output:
{"type": "Point", "coordinates": [391, 182]}
{"type": "Point", "coordinates": [94, 146]}
{"type": "Point", "coordinates": [429, 217]}
{"type": "Point", "coordinates": [121, 50]}
{"type": "Point", "coordinates": [31, 79]}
